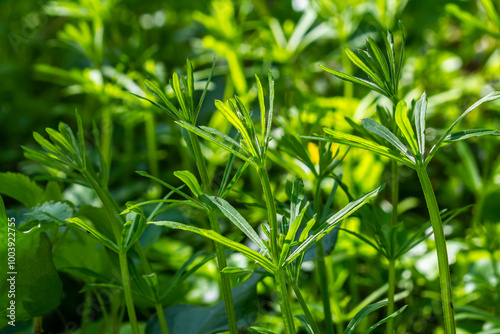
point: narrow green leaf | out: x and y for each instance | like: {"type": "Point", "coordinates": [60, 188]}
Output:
{"type": "Point", "coordinates": [208, 136]}
{"type": "Point", "coordinates": [247, 252]}
{"type": "Point", "coordinates": [355, 141]}
{"type": "Point", "coordinates": [362, 314]}
{"type": "Point", "coordinates": [490, 97]}
{"type": "Point", "coordinates": [353, 79]}
{"type": "Point", "coordinates": [420, 115]}
{"type": "Point", "coordinates": [271, 109]}
{"type": "Point", "coordinates": [473, 133]}
{"type": "Point", "coordinates": [260, 94]}
{"type": "Point", "coordinates": [239, 271]}
{"type": "Point", "coordinates": [190, 180]}
{"type": "Point", "coordinates": [155, 89]}
{"type": "Point", "coordinates": [404, 125]}
{"type": "Point", "coordinates": [237, 123]}
{"type": "Point", "coordinates": [180, 97]}
{"type": "Point", "coordinates": [383, 321]}
{"type": "Point", "coordinates": [381, 61]}
{"type": "Point", "coordinates": [233, 181]}
{"type": "Point", "coordinates": [96, 234]}
{"type": "Point", "coordinates": [236, 218]}
{"type": "Point", "coordinates": [329, 224]}
{"type": "Point", "coordinates": [189, 87]}
{"type": "Point", "coordinates": [381, 131]}
{"type": "Point", "coordinates": [176, 190]}
{"type": "Point", "coordinates": [202, 98]}
{"type": "Point", "coordinates": [290, 236]}
{"type": "Point", "coordinates": [402, 52]}
{"type": "Point", "coordinates": [359, 63]}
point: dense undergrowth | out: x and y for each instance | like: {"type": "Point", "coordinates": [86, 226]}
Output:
{"type": "Point", "coordinates": [250, 167]}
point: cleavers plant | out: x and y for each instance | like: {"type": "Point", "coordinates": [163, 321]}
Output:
{"type": "Point", "coordinates": [404, 145]}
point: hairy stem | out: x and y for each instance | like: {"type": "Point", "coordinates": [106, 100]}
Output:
{"type": "Point", "coordinates": [129, 300]}
{"type": "Point", "coordinates": [442, 254]}
{"type": "Point", "coordinates": [161, 318]}
{"type": "Point", "coordinates": [225, 283]}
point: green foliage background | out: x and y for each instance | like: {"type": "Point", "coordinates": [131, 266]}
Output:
{"type": "Point", "coordinates": [53, 60]}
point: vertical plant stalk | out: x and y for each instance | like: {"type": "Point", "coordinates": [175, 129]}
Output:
{"type": "Point", "coordinates": [37, 324]}
{"type": "Point", "coordinates": [321, 267]}
{"type": "Point", "coordinates": [112, 211]}
{"type": "Point", "coordinates": [129, 300]}
{"type": "Point", "coordinates": [279, 276]}
{"type": "Point", "coordinates": [442, 254]}
{"type": "Point", "coordinates": [161, 318]}
{"type": "Point", "coordinates": [225, 282]}
{"type": "Point", "coordinates": [392, 243]}
{"type": "Point", "coordinates": [307, 313]}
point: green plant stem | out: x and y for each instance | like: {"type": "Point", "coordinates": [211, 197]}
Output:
{"type": "Point", "coordinates": [286, 310]}
{"type": "Point", "coordinates": [129, 300]}
{"type": "Point", "coordinates": [271, 212]}
{"type": "Point", "coordinates": [307, 313]}
{"type": "Point", "coordinates": [279, 276]}
{"type": "Point", "coordinates": [442, 254]}
{"type": "Point", "coordinates": [161, 318]}
{"type": "Point", "coordinates": [321, 267]}
{"type": "Point", "coordinates": [37, 324]}
{"type": "Point", "coordinates": [225, 282]}
{"type": "Point", "coordinates": [392, 243]}
{"type": "Point", "coordinates": [323, 284]}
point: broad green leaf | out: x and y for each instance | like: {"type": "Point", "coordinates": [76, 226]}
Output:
{"type": "Point", "coordinates": [249, 253]}
{"type": "Point", "coordinates": [490, 97]}
{"type": "Point", "coordinates": [21, 188]}
{"type": "Point", "coordinates": [97, 235]}
{"type": "Point", "coordinates": [362, 314]}
{"type": "Point", "coordinates": [420, 115]}
{"type": "Point", "coordinates": [190, 180]}
{"type": "Point", "coordinates": [381, 131]}
{"type": "Point", "coordinates": [383, 321]}
{"type": "Point", "coordinates": [353, 79]}
{"type": "Point", "coordinates": [236, 218]}
{"type": "Point", "coordinates": [404, 125]}
{"type": "Point", "coordinates": [330, 223]}
{"type": "Point", "coordinates": [466, 134]}
{"type": "Point", "coordinates": [50, 211]}
{"type": "Point", "coordinates": [38, 289]}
